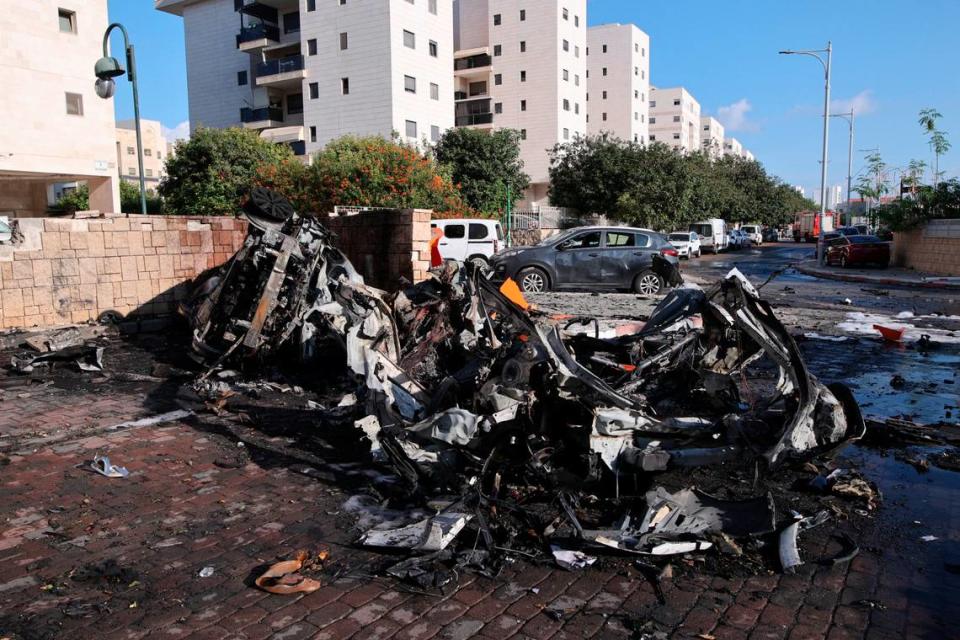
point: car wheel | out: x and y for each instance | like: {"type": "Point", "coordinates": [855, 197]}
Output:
{"type": "Point", "coordinates": [480, 262]}
{"type": "Point", "coordinates": [533, 280]}
{"type": "Point", "coordinates": [699, 251]}
{"type": "Point", "coordinates": [647, 283]}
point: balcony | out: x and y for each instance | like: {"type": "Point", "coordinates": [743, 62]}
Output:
{"type": "Point", "coordinates": [473, 119]}
{"type": "Point", "coordinates": [257, 10]}
{"type": "Point", "coordinates": [472, 62]}
{"type": "Point", "coordinates": [281, 73]}
{"type": "Point", "coordinates": [261, 118]}
{"type": "Point", "coordinates": [258, 36]}
{"type": "Point", "coordinates": [470, 113]}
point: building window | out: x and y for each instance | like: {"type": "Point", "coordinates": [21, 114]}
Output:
{"type": "Point", "coordinates": [604, 71]}
{"type": "Point", "coordinates": [636, 94]}
{"type": "Point", "coordinates": [636, 138]}
{"type": "Point", "coordinates": [643, 74]}
{"type": "Point", "coordinates": [676, 136]}
{"type": "Point", "coordinates": [68, 21]}
{"type": "Point", "coordinates": [131, 171]}
{"type": "Point", "coordinates": [604, 116]}
{"type": "Point", "coordinates": [497, 79]}
{"type": "Point", "coordinates": [291, 22]}
{"type": "Point", "coordinates": [653, 103]}
{"type": "Point", "coordinates": [432, 6]}
{"type": "Point", "coordinates": [74, 104]}
{"type": "Point", "coordinates": [409, 84]}
{"type": "Point", "coordinates": [312, 4]}
{"type": "Point", "coordinates": [604, 95]}
{"type": "Point", "coordinates": [576, 79]}
{"type": "Point", "coordinates": [676, 103]}
{"type": "Point", "coordinates": [241, 78]}
{"type": "Point", "coordinates": [523, 134]}
{"type": "Point", "coordinates": [636, 48]}
{"type": "Point", "coordinates": [344, 43]}
{"type": "Point", "coordinates": [653, 120]}
{"type": "Point", "coordinates": [409, 39]}
{"type": "Point", "coordinates": [643, 52]}
{"type": "Point", "coordinates": [576, 52]}
{"type": "Point", "coordinates": [523, 46]}
{"type": "Point", "coordinates": [131, 151]}
{"type": "Point", "coordinates": [342, 2]}
{"type": "Point", "coordinates": [523, 105]}
{"type": "Point", "coordinates": [345, 86]}
{"type": "Point", "coordinates": [566, 15]}
{"type": "Point", "coordinates": [498, 107]}
{"type": "Point", "coordinates": [523, 15]}
{"type": "Point", "coordinates": [148, 172]}
{"type": "Point", "coordinates": [434, 91]}
{"type": "Point", "coordinates": [434, 133]}
{"type": "Point", "coordinates": [497, 50]}
{"type": "Point", "coordinates": [576, 108]}
{"type": "Point", "coordinates": [523, 75]}
{"type": "Point", "coordinates": [604, 48]}
{"type": "Point", "coordinates": [676, 118]}
{"type": "Point", "coordinates": [566, 105]}
{"type": "Point", "coordinates": [566, 134]}
{"type": "Point", "coordinates": [496, 19]}
{"type": "Point", "coordinates": [566, 75]}
{"type": "Point", "coordinates": [314, 90]}
{"type": "Point", "coordinates": [636, 71]}
{"type": "Point", "coordinates": [313, 134]}
{"type": "Point", "coordinates": [566, 45]}
{"type": "Point", "coordinates": [411, 129]}
{"type": "Point", "coordinates": [636, 115]}
{"type": "Point", "coordinates": [312, 47]}
{"type": "Point", "coordinates": [147, 153]}
{"type": "Point", "coordinates": [433, 48]}
{"type": "Point", "coordinates": [295, 103]}
{"type": "Point", "coordinates": [576, 21]}
{"type": "Point", "coordinates": [653, 138]}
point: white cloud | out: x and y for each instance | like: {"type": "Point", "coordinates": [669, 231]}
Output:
{"type": "Point", "coordinates": [862, 104]}
{"type": "Point", "coordinates": [179, 132]}
{"type": "Point", "coordinates": [736, 116]}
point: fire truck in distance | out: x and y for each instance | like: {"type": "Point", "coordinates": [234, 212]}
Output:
{"type": "Point", "coordinates": [806, 226]}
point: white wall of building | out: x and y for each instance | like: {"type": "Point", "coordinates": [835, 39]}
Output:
{"type": "Point", "coordinates": [618, 100]}
{"type": "Point", "coordinates": [675, 119]}
{"type": "Point", "coordinates": [711, 136]}
{"type": "Point", "coordinates": [732, 147]}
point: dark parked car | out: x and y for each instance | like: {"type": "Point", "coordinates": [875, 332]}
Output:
{"type": "Point", "coordinates": [770, 234]}
{"type": "Point", "coordinates": [853, 250]}
{"type": "Point", "coordinates": [593, 258]}
{"type": "Point", "coordinates": [848, 231]}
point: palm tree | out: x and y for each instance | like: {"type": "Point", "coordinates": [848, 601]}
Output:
{"type": "Point", "coordinates": [938, 141]}
{"type": "Point", "coordinates": [928, 119]}
{"type": "Point", "coordinates": [915, 170]}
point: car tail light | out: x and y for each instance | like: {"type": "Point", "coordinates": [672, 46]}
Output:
{"type": "Point", "coordinates": [669, 252]}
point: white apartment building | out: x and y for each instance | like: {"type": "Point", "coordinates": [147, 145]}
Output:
{"type": "Point", "coordinates": [732, 147]}
{"type": "Point", "coordinates": [711, 136]}
{"type": "Point", "coordinates": [523, 65]}
{"type": "Point", "coordinates": [155, 151]}
{"type": "Point", "coordinates": [747, 155]}
{"type": "Point", "coordinates": [675, 119]}
{"type": "Point", "coordinates": [56, 129]}
{"type": "Point", "coordinates": [834, 196]}
{"type": "Point", "coordinates": [618, 81]}
{"type": "Point", "coordinates": [304, 72]}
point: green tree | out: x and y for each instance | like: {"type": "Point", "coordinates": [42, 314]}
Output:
{"type": "Point", "coordinates": [590, 173]}
{"type": "Point", "coordinates": [76, 200]}
{"type": "Point", "coordinates": [485, 165]}
{"type": "Point", "coordinates": [938, 139]}
{"type": "Point", "coordinates": [210, 173]}
{"type": "Point", "coordinates": [130, 198]}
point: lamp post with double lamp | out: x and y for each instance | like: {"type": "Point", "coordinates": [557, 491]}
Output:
{"type": "Point", "coordinates": [849, 118]}
{"type": "Point", "coordinates": [108, 68]}
{"type": "Point", "coordinates": [815, 53]}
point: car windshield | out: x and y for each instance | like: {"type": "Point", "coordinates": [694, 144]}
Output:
{"type": "Point", "coordinates": [680, 237]}
{"type": "Point", "coordinates": [863, 239]}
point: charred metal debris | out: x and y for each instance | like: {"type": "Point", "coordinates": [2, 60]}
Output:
{"type": "Point", "coordinates": [508, 430]}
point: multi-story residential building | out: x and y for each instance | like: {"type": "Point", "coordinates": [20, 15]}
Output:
{"type": "Point", "coordinates": [732, 147]}
{"type": "Point", "coordinates": [304, 72]}
{"type": "Point", "coordinates": [56, 129]}
{"type": "Point", "coordinates": [711, 136]}
{"type": "Point", "coordinates": [675, 119]}
{"type": "Point", "coordinates": [155, 151]}
{"type": "Point", "coordinates": [523, 65]}
{"type": "Point", "coordinates": [618, 81]}
{"type": "Point", "coordinates": [747, 155]}
{"type": "Point", "coordinates": [834, 196]}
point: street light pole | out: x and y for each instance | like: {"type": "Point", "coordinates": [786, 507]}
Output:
{"type": "Point", "coordinates": [815, 53]}
{"type": "Point", "coordinates": [108, 68]}
{"type": "Point", "coordinates": [849, 117]}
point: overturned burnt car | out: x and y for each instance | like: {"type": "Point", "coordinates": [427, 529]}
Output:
{"type": "Point", "coordinates": [464, 390]}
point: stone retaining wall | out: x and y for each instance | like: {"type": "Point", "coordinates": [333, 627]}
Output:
{"type": "Point", "coordinates": [933, 248]}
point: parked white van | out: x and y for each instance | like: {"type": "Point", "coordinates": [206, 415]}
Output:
{"type": "Point", "coordinates": [465, 239]}
{"type": "Point", "coordinates": [713, 234]}
{"type": "Point", "coordinates": [754, 233]}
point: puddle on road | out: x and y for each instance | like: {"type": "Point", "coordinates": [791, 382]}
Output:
{"type": "Point", "coordinates": [927, 390]}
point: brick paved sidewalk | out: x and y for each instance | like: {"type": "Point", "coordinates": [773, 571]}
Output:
{"type": "Point", "coordinates": [195, 499]}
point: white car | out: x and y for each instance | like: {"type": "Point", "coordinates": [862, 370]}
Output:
{"type": "Point", "coordinates": [733, 240]}
{"type": "Point", "coordinates": [754, 233]}
{"type": "Point", "coordinates": [474, 239]}
{"type": "Point", "coordinates": [687, 243]}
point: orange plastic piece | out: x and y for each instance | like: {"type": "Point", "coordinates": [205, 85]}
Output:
{"type": "Point", "coordinates": [510, 289]}
{"type": "Point", "coordinates": [889, 333]}
{"type": "Point", "coordinates": [435, 258]}
{"type": "Point", "coordinates": [283, 578]}
{"type": "Point", "coordinates": [629, 368]}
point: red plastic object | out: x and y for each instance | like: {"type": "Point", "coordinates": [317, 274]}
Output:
{"type": "Point", "coordinates": [889, 333]}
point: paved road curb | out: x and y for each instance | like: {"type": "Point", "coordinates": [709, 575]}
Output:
{"type": "Point", "coordinates": [812, 269]}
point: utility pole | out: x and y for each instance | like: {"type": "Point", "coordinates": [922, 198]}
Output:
{"type": "Point", "coordinates": [849, 117]}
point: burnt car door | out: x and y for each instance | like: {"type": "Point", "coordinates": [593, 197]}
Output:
{"type": "Point", "coordinates": [577, 259]}
{"type": "Point", "coordinates": [625, 254]}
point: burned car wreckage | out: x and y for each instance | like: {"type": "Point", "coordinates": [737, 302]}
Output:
{"type": "Point", "coordinates": [473, 398]}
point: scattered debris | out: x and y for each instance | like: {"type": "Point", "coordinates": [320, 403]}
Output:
{"type": "Point", "coordinates": [283, 577]}
{"type": "Point", "coordinates": [571, 560]}
{"type": "Point", "coordinates": [206, 572]}
{"type": "Point", "coordinates": [85, 357]}
{"type": "Point", "coordinates": [890, 334]}
{"type": "Point", "coordinates": [102, 465]}
{"type": "Point", "coordinates": [929, 538]}
{"type": "Point", "coordinates": [789, 552]}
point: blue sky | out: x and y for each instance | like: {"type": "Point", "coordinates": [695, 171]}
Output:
{"type": "Point", "coordinates": [891, 59]}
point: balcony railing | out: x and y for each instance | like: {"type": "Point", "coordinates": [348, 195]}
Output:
{"type": "Point", "coordinates": [261, 114]}
{"type": "Point", "coordinates": [256, 10]}
{"type": "Point", "coordinates": [473, 118]}
{"type": "Point", "coordinates": [281, 65]}
{"type": "Point", "coordinates": [472, 62]}
{"type": "Point", "coordinates": [258, 32]}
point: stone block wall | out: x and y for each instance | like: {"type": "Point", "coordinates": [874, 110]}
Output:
{"type": "Point", "coordinates": [933, 248]}
{"type": "Point", "coordinates": [71, 270]}
{"type": "Point", "coordinates": [385, 245]}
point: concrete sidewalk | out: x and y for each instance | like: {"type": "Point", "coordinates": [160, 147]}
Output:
{"type": "Point", "coordinates": [891, 276]}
